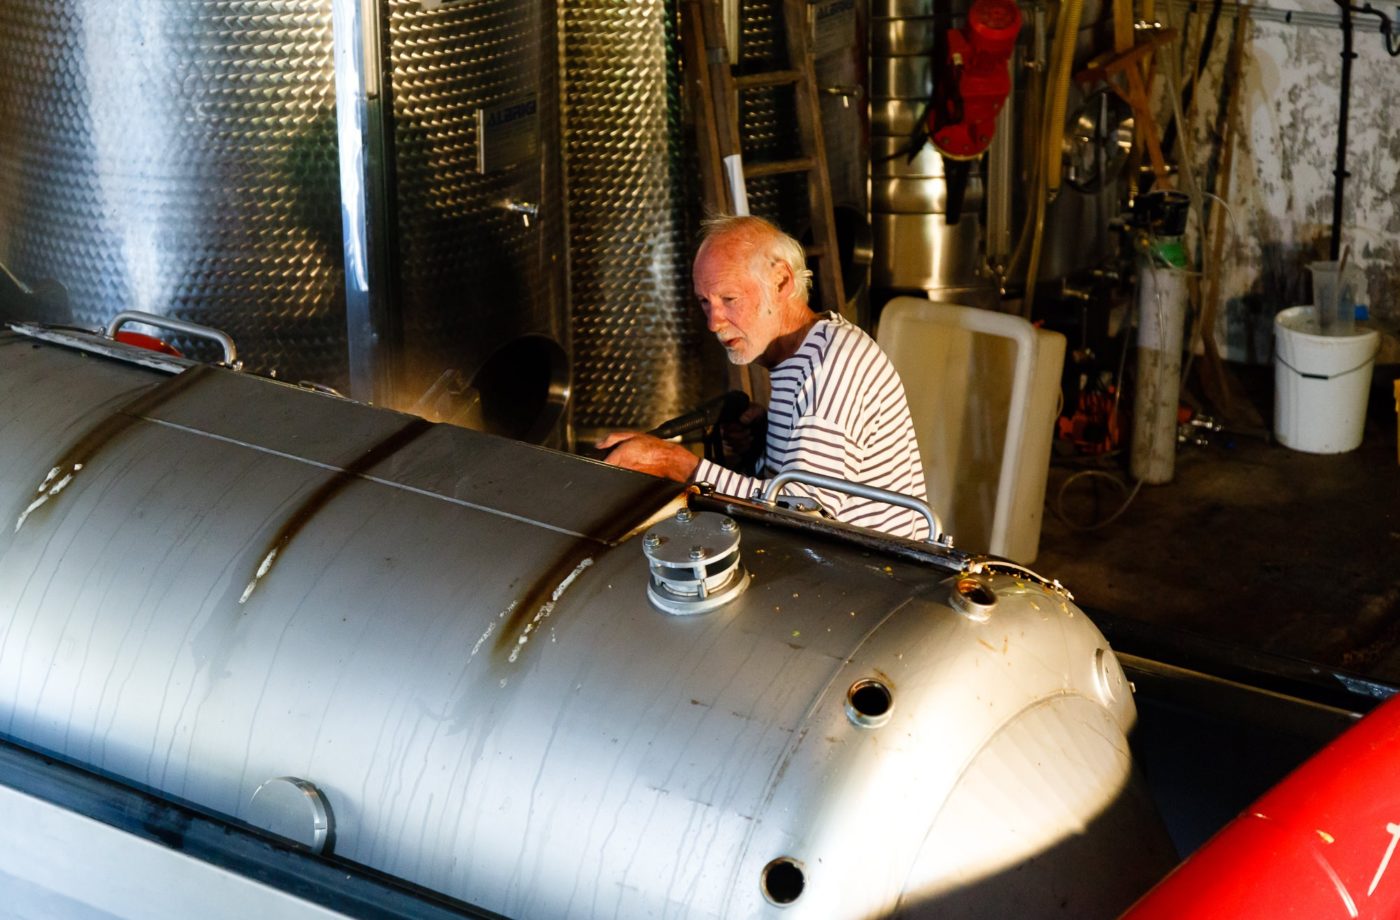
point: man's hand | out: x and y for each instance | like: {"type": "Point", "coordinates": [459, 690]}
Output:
{"type": "Point", "coordinates": [645, 454]}
{"type": "Point", "coordinates": [743, 439]}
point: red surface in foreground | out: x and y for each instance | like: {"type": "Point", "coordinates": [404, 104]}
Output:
{"type": "Point", "coordinates": [1321, 844]}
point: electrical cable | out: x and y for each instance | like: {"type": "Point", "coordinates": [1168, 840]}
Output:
{"type": "Point", "coordinates": [1193, 190]}
{"type": "Point", "coordinates": [1339, 172]}
{"type": "Point", "coordinates": [1057, 507]}
{"type": "Point", "coordinates": [1234, 225]}
{"type": "Point", "coordinates": [1202, 56]}
{"type": "Point", "coordinates": [1235, 235]}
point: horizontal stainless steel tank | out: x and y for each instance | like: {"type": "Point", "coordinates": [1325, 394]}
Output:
{"type": "Point", "coordinates": [533, 682]}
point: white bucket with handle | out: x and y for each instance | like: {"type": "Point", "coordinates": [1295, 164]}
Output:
{"type": "Point", "coordinates": [1321, 383]}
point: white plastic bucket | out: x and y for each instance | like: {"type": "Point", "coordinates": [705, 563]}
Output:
{"type": "Point", "coordinates": [1320, 383]}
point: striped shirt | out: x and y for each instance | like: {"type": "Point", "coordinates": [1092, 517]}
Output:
{"type": "Point", "coordinates": [837, 408]}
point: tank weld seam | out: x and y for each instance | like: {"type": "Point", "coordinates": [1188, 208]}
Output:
{"type": "Point", "coordinates": [98, 437]}
{"type": "Point", "coordinates": [378, 480]}
{"type": "Point", "coordinates": [546, 609]}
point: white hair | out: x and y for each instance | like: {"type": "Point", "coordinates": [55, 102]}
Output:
{"type": "Point", "coordinates": [771, 245]}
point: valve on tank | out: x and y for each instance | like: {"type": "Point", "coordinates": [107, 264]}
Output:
{"type": "Point", "coordinates": [694, 561]}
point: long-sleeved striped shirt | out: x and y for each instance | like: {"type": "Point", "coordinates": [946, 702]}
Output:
{"type": "Point", "coordinates": [837, 408]}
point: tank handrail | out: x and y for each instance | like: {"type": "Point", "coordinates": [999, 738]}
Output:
{"type": "Point", "coordinates": [224, 340]}
{"type": "Point", "coordinates": [860, 490]}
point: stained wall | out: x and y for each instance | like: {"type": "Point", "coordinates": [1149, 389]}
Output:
{"type": "Point", "coordinates": [1270, 153]}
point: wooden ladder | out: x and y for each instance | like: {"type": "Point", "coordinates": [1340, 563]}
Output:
{"type": "Point", "coordinates": [723, 167]}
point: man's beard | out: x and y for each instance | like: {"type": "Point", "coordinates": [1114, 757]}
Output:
{"type": "Point", "coordinates": [737, 355]}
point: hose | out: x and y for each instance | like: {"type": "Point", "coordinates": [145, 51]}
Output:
{"type": "Point", "coordinates": [1066, 38]}
{"type": "Point", "coordinates": [1030, 140]}
{"type": "Point", "coordinates": [1052, 134]}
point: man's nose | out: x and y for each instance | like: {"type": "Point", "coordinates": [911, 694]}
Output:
{"type": "Point", "coordinates": [714, 319]}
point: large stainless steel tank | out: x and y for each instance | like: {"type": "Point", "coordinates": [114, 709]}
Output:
{"type": "Point", "coordinates": [484, 658]}
{"type": "Point", "coordinates": [477, 227]}
{"type": "Point", "coordinates": [223, 161]}
{"type": "Point", "coordinates": [178, 158]}
{"type": "Point", "coordinates": [641, 351]}
{"type": "Point", "coordinates": [916, 247]}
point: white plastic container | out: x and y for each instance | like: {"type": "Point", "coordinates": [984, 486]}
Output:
{"type": "Point", "coordinates": [983, 389]}
{"type": "Point", "coordinates": [1321, 383]}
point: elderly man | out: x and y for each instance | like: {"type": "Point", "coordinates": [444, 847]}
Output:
{"type": "Point", "coordinates": [837, 406]}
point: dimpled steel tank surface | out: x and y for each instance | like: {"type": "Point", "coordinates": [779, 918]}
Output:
{"type": "Point", "coordinates": [486, 660]}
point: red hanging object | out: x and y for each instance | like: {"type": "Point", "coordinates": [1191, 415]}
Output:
{"type": "Point", "coordinates": [975, 80]}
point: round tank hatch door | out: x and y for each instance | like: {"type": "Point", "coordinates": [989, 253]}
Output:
{"type": "Point", "coordinates": [294, 809]}
{"type": "Point", "coordinates": [694, 562]}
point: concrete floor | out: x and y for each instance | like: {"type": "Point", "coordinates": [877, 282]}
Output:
{"type": "Point", "coordinates": [1253, 544]}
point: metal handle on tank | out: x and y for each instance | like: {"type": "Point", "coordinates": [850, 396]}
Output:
{"type": "Point", "coordinates": [177, 325]}
{"type": "Point", "coordinates": [935, 524]}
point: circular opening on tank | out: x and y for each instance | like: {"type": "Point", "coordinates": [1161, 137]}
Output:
{"type": "Point", "coordinates": [977, 592]}
{"type": "Point", "coordinates": [869, 703]}
{"type": "Point", "coordinates": [783, 880]}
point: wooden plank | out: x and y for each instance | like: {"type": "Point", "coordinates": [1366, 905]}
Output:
{"type": "Point", "coordinates": [770, 79]}
{"type": "Point", "coordinates": [795, 23]}
{"type": "Point", "coordinates": [698, 82]}
{"type": "Point", "coordinates": [779, 167]}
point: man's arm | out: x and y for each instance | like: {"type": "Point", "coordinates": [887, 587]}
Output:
{"type": "Point", "coordinates": [812, 446]}
{"type": "Point", "coordinates": [813, 453]}
{"type": "Point", "coordinates": [641, 452]}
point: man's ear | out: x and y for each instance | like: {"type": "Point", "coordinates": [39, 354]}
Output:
{"type": "Point", "coordinates": [784, 278]}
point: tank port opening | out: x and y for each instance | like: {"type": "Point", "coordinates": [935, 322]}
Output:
{"type": "Point", "coordinates": [524, 388]}
{"type": "Point", "coordinates": [1108, 676]}
{"type": "Point", "coordinates": [977, 592]}
{"type": "Point", "coordinates": [973, 598]}
{"type": "Point", "coordinates": [869, 703]}
{"type": "Point", "coordinates": [783, 880]}
{"type": "Point", "coordinates": [694, 563]}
